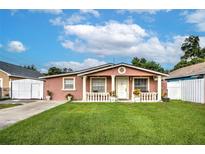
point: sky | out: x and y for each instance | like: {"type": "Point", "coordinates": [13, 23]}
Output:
{"type": "Point", "coordinates": [79, 39]}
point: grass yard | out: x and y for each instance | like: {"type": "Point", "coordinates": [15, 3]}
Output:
{"type": "Point", "coordinates": [175, 122]}
{"type": "Point", "coordinates": [3, 106]}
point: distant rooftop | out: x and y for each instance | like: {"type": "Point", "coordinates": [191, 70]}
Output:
{"type": "Point", "coordinates": [192, 70]}
{"type": "Point", "coordinates": [18, 71]}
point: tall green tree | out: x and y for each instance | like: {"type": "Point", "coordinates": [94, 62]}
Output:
{"type": "Point", "coordinates": [191, 48]}
{"type": "Point", "coordinates": [152, 65]}
{"type": "Point", "coordinates": [193, 53]}
{"type": "Point", "coordinates": [184, 63]}
{"type": "Point", "coordinates": [54, 70]}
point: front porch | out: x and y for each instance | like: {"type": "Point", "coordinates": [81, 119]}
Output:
{"type": "Point", "coordinates": [105, 97]}
{"type": "Point", "coordinates": [100, 88]}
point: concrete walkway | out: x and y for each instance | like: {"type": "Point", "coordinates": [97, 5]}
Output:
{"type": "Point", "coordinates": [12, 115]}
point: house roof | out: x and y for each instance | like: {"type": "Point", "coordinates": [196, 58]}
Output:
{"type": "Point", "coordinates": [78, 72]}
{"type": "Point", "coordinates": [101, 68]}
{"type": "Point", "coordinates": [192, 70]}
{"type": "Point", "coordinates": [18, 71]}
{"type": "Point", "coordinates": [122, 64]}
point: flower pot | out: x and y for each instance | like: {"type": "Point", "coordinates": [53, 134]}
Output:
{"type": "Point", "coordinates": [112, 98]}
{"type": "Point", "coordinates": [69, 98]}
{"type": "Point", "coordinates": [136, 99]}
{"type": "Point", "coordinates": [48, 98]}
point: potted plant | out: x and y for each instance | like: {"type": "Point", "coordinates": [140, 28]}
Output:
{"type": "Point", "coordinates": [165, 97]}
{"type": "Point", "coordinates": [112, 96]}
{"type": "Point", "coordinates": [69, 97]}
{"type": "Point", "coordinates": [49, 95]}
{"type": "Point", "coordinates": [136, 93]}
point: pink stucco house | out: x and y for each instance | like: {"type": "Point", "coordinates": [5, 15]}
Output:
{"type": "Point", "coordinates": [96, 83]}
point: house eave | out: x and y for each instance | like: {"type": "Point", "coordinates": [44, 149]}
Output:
{"type": "Point", "coordinates": [5, 72]}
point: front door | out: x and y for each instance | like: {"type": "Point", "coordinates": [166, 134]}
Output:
{"type": "Point", "coordinates": [122, 87]}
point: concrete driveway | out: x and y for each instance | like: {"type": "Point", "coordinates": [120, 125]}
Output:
{"type": "Point", "coordinates": [11, 101]}
{"type": "Point", "coordinates": [12, 115]}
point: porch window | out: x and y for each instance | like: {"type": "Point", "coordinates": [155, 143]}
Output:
{"type": "Point", "coordinates": [141, 84]}
{"type": "Point", "coordinates": [98, 85]}
{"type": "Point", "coordinates": [69, 84]}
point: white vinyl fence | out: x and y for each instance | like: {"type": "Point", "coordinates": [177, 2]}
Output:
{"type": "Point", "coordinates": [27, 89]}
{"type": "Point", "coordinates": [188, 90]}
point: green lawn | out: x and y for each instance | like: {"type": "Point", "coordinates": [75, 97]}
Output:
{"type": "Point", "coordinates": [112, 123]}
{"type": "Point", "coordinates": [2, 106]}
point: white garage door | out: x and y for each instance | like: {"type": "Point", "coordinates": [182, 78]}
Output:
{"type": "Point", "coordinates": [27, 89]}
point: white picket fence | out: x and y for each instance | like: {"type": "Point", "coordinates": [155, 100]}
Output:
{"type": "Point", "coordinates": [188, 90]}
{"type": "Point", "coordinates": [148, 97]}
{"type": "Point", "coordinates": [97, 97]}
{"type": "Point", "coordinates": [105, 97]}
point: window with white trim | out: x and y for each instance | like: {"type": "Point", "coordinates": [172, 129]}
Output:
{"type": "Point", "coordinates": [98, 85]}
{"type": "Point", "coordinates": [69, 84]}
{"type": "Point", "coordinates": [142, 84]}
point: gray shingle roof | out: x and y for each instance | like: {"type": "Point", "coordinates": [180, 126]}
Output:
{"type": "Point", "coordinates": [192, 70]}
{"type": "Point", "coordinates": [19, 71]}
{"type": "Point", "coordinates": [79, 71]}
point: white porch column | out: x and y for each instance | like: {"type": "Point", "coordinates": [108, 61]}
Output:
{"type": "Point", "coordinates": [159, 87]}
{"type": "Point", "coordinates": [113, 82]}
{"type": "Point", "coordinates": [84, 88]}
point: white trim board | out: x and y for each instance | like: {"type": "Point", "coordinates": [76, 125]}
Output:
{"type": "Point", "coordinates": [5, 72]}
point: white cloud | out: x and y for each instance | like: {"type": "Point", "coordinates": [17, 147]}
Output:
{"type": "Point", "coordinates": [16, 46]}
{"type": "Point", "coordinates": [57, 21]}
{"type": "Point", "coordinates": [197, 18]}
{"type": "Point", "coordinates": [122, 39]}
{"type": "Point", "coordinates": [141, 11]}
{"type": "Point", "coordinates": [90, 62]}
{"type": "Point", "coordinates": [90, 11]}
{"type": "Point", "coordinates": [73, 19]}
{"type": "Point", "coordinates": [49, 11]}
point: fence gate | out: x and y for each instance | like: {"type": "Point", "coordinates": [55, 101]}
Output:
{"type": "Point", "coordinates": [27, 89]}
{"type": "Point", "coordinates": [174, 89]}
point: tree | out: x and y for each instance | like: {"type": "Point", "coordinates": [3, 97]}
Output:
{"type": "Point", "coordinates": [184, 63]}
{"type": "Point", "coordinates": [191, 48]}
{"type": "Point", "coordinates": [31, 67]}
{"type": "Point", "coordinates": [67, 70]}
{"type": "Point", "coordinates": [152, 65]}
{"type": "Point", "coordinates": [193, 53]}
{"type": "Point", "coordinates": [54, 70]}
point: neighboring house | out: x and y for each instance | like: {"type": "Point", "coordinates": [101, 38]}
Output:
{"type": "Point", "coordinates": [187, 83]}
{"type": "Point", "coordinates": [10, 72]}
{"type": "Point", "coordinates": [95, 84]}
